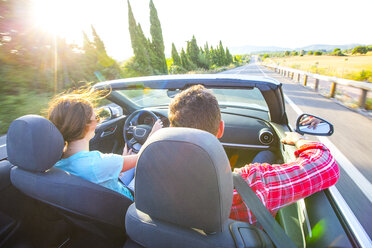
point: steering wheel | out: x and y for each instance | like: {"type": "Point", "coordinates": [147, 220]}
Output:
{"type": "Point", "coordinates": [140, 132]}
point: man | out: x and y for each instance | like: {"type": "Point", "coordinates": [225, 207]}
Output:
{"type": "Point", "coordinates": [276, 185]}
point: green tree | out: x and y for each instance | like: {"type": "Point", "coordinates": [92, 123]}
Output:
{"type": "Point", "coordinates": [337, 52]}
{"type": "Point", "coordinates": [294, 53]}
{"type": "Point", "coordinates": [192, 51]}
{"type": "Point", "coordinates": [185, 62]}
{"type": "Point", "coordinates": [157, 44]}
{"type": "Point", "coordinates": [318, 53]}
{"type": "Point", "coordinates": [310, 53]}
{"type": "Point", "coordinates": [139, 45]}
{"type": "Point", "coordinates": [176, 58]}
{"type": "Point", "coordinates": [229, 57]}
{"type": "Point", "coordinates": [360, 50]}
{"type": "Point", "coordinates": [287, 53]}
{"type": "Point", "coordinates": [106, 65]}
{"type": "Point", "coordinates": [221, 56]}
{"type": "Point", "coordinates": [207, 54]}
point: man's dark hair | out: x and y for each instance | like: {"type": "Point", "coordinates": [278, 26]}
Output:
{"type": "Point", "coordinates": [195, 107]}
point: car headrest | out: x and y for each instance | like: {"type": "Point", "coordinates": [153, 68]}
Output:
{"type": "Point", "coordinates": [183, 177]}
{"type": "Point", "coordinates": [34, 143]}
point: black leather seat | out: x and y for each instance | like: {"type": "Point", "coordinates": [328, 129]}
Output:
{"type": "Point", "coordinates": [183, 195]}
{"type": "Point", "coordinates": [34, 145]}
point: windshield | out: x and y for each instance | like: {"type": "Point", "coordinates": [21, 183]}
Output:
{"type": "Point", "coordinates": [241, 98]}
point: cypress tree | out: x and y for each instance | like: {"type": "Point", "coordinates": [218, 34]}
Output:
{"type": "Point", "coordinates": [185, 62]}
{"type": "Point", "coordinates": [139, 44]}
{"type": "Point", "coordinates": [176, 58]}
{"type": "Point", "coordinates": [98, 43]}
{"type": "Point", "coordinates": [193, 51]}
{"type": "Point", "coordinates": [144, 54]}
{"type": "Point", "coordinates": [159, 64]}
{"type": "Point", "coordinates": [100, 50]}
{"type": "Point", "coordinates": [229, 58]}
{"type": "Point", "coordinates": [207, 54]}
{"type": "Point", "coordinates": [221, 55]}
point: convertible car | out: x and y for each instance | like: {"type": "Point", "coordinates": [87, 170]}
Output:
{"type": "Point", "coordinates": [184, 184]}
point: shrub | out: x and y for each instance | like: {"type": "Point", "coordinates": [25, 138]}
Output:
{"type": "Point", "coordinates": [310, 53]}
{"type": "Point", "coordinates": [360, 50]}
{"type": "Point", "coordinates": [318, 53]}
{"type": "Point", "coordinates": [175, 69]}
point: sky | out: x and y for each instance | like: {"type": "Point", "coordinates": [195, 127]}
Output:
{"type": "Point", "coordinates": [285, 23]}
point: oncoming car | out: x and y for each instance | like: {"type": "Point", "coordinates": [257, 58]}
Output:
{"type": "Point", "coordinates": [43, 206]}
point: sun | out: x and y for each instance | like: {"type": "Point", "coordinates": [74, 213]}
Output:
{"type": "Point", "coordinates": [64, 18]}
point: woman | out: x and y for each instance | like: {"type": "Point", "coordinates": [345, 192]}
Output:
{"type": "Point", "coordinates": [73, 115]}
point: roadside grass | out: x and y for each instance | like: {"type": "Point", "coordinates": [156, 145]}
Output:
{"type": "Point", "coordinates": [357, 67]}
{"type": "Point", "coordinates": [15, 106]}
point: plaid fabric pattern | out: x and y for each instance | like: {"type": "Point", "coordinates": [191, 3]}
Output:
{"type": "Point", "coordinates": [279, 185]}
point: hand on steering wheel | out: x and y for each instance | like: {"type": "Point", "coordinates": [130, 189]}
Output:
{"type": "Point", "coordinates": [141, 132]}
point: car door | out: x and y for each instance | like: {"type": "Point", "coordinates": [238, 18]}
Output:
{"type": "Point", "coordinates": [109, 136]}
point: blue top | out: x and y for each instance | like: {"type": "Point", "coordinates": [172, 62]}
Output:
{"type": "Point", "coordinates": [96, 167]}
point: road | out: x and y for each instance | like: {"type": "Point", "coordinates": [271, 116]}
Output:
{"type": "Point", "coordinates": [352, 139]}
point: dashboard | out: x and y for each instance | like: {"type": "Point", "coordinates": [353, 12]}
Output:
{"type": "Point", "coordinates": [241, 131]}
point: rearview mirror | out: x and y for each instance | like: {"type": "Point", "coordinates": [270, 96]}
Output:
{"type": "Point", "coordinates": [313, 125]}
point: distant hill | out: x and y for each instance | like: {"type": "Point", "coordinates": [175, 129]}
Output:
{"type": "Point", "coordinates": [261, 49]}
{"type": "Point", "coordinates": [256, 49]}
{"type": "Point", "coordinates": [327, 47]}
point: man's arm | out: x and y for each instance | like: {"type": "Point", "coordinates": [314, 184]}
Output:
{"type": "Point", "coordinates": [279, 185]}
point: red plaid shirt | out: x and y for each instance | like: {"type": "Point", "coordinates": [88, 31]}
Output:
{"type": "Point", "coordinates": [279, 185]}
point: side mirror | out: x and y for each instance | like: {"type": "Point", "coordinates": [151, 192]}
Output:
{"type": "Point", "coordinates": [106, 113]}
{"type": "Point", "coordinates": [313, 125]}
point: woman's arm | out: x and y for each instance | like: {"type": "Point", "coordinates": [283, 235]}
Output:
{"type": "Point", "coordinates": [130, 162]}
{"type": "Point", "coordinates": [130, 159]}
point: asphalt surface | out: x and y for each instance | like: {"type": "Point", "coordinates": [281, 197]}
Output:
{"type": "Point", "coordinates": [352, 137]}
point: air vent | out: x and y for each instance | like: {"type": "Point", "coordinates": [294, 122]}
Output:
{"type": "Point", "coordinates": [266, 136]}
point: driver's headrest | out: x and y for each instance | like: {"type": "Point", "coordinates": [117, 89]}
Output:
{"type": "Point", "coordinates": [34, 143]}
{"type": "Point", "coordinates": [183, 177]}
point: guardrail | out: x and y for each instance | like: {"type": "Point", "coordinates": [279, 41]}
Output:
{"type": "Point", "coordinates": [293, 73]}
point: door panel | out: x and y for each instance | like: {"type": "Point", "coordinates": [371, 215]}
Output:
{"type": "Point", "coordinates": [327, 230]}
{"type": "Point", "coordinates": [109, 136]}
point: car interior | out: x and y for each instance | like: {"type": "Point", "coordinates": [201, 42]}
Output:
{"type": "Point", "coordinates": [42, 206]}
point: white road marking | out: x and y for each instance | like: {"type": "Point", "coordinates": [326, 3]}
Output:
{"type": "Point", "coordinates": [2, 145]}
{"type": "Point", "coordinates": [261, 71]}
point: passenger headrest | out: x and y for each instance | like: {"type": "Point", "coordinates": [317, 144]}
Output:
{"type": "Point", "coordinates": [183, 177]}
{"type": "Point", "coordinates": [34, 143]}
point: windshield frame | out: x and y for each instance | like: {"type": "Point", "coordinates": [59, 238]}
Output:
{"type": "Point", "coordinates": [270, 89]}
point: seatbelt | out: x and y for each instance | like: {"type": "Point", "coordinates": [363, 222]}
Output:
{"type": "Point", "coordinates": [263, 216]}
